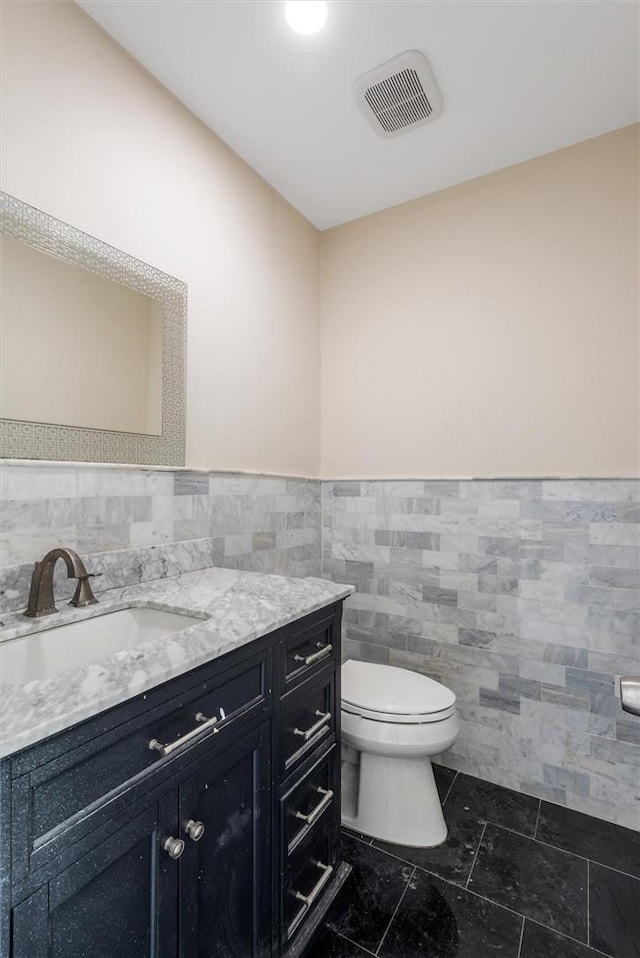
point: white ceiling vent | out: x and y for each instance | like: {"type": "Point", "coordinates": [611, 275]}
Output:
{"type": "Point", "coordinates": [400, 94]}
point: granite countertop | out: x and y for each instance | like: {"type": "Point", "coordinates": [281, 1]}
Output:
{"type": "Point", "coordinates": [236, 607]}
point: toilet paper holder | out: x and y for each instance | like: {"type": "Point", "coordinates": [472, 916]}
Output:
{"type": "Point", "coordinates": [630, 693]}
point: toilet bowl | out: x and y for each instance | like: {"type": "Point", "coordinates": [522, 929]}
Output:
{"type": "Point", "coordinates": [393, 721]}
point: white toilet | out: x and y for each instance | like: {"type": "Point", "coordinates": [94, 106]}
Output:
{"type": "Point", "coordinates": [393, 721]}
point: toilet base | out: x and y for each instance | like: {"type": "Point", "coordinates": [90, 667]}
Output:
{"type": "Point", "coordinates": [398, 802]}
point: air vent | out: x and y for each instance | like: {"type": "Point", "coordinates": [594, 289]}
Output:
{"type": "Point", "coordinates": [400, 94]}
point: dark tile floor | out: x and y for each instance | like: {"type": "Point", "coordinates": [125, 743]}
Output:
{"type": "Point", "coordinates": [516, 878]}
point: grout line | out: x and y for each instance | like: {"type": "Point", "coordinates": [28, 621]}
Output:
{"type": "Point", "coordinates": [473, 864]}
{"type": "Point", "coordinates": [521, 938]}
{"type": "Point", "coordinates": [535, 831]}
{"type": "Point", "coordinates": [453, 780]}
{"type": "Point", "coordinates": [590, 861]}
{"type": "Point", "coordinates": [505, 828]}
{"type": "Point", "coordinates": [567, 808]}
{"type": "Point", "coordinates": [397, 858]}
{"type": "Point", "coordinates": [561, 934]}
{"type": "Point", "coordinates": [498, 904]}
{"type": "Point", "coordinates": [404, 892]}
{"type": "Point", "coordinates": [490, 901]}
{"type": "Point", "coordinates": [557, 848]}
{"type": "Point", "coordinates": [588, 905]}
{"type": "Point", "coordinates": [366, 951]}
{"type": "Point", "coordinates": [356, 838]}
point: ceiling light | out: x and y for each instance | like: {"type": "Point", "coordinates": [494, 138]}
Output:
{"type": "Point", "coordinates": [306, 16]}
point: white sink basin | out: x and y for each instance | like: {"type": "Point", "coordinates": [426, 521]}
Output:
{"type": "Point", "coordinates": [65, 647]}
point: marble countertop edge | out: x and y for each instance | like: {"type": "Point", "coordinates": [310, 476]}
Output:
{"type": "Point", "coordinates": [235, 608]}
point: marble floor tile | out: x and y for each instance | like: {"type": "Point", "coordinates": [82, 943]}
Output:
{"type": "Point", "coordinates": [453, 859]}
{"type": "Point", "coordinates": [590, 837]}
{"type": "Point", "coordinates": [329, 944]}
{"type": "Point", "coordinates": [374, 890]}
{"type": "Point", "coordinates": [444, 779]}
{"type": "Point", "coordinates": [614, 912]}
{"type": "Point", "coordinates": [440, 920]}
{"type": "Point", "coordinates": [493, 803]}
{"type": "Point", "coordinates": [540, 942]}
{"type": "Point", "coordinates": [543, 883]}
{"type": "Point", "coordinates": [524, 881]}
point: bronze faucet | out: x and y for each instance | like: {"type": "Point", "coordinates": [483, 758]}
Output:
{"type": "Point", "coordinates": [41, 600]}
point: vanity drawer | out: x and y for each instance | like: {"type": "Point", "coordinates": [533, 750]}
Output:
{"type": "Point", "coordinates": [307, 650]}
{"type": "Point", "coordinates": [64, 799]}
{"type": "Point", "coordinates": [308, 718]}
{"type": "Point", "coordinates": [310, 873]}
{"type": "Point", "coordinates": [310, 804]}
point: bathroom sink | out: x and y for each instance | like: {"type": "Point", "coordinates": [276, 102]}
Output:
{"type": "Point", "coordinates": [65, 647]}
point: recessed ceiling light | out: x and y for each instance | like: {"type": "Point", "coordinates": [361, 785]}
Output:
{"type": "Point", "coordinates": [306, 16]}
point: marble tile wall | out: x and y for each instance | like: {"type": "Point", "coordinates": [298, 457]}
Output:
{"type": "Point", "coordinates": [138, 524]}
{"type": "Point", "coordinates": [521, 596]}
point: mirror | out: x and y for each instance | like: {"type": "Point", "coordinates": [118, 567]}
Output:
{"type": "Point", "coordinates": [92, 347]}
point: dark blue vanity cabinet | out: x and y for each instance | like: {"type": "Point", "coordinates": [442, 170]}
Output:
{"type": "Point", "coordinates": [153, 831]}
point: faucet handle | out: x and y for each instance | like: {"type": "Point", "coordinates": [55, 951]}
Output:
{"type": "Point", "coordinates": [84, 593]}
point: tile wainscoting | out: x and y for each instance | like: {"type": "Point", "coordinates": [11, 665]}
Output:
{"type": "Point", "coordinates": [524, 598]}
{"type": "Point", "coordinates": [136, 524]}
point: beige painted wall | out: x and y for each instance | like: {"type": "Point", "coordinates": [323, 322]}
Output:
{"type": "Point", "coordinates": [76, 348]}
{"type": "Point", "coordinates": [91, 138]}
{"type": "Point", "coordinates": [490, 329]}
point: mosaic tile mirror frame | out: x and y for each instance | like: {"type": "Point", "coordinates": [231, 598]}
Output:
{"type": "Point", "coordinates": [21, 439]}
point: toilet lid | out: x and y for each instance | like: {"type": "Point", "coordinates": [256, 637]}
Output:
{"type": "Point", "coordinates": [385, 688]}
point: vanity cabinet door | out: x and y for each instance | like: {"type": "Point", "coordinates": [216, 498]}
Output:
{"type": "Point", "coordinates": [117, 901]}
{"type": "Point", "coordinates": [225, 890]}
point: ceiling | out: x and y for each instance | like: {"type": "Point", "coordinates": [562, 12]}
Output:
{"type": "Point", "coordinates": [519, 78]}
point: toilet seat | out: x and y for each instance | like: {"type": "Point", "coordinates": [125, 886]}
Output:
{"type": "Point", "coordinates": [385, 693]}
{"type": "Point", "coordinates": [400, 718]}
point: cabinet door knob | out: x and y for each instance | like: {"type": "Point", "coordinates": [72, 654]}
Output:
{"type": "Point", "coordinates": [174, 847]}
{"type": "Point", "coordinates": [195, 830]}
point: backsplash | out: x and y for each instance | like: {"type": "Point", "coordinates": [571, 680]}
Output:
{"type": "Point", "coordinates": [521, 596]}
{"type": "Point", "coordinates": [136, 524]}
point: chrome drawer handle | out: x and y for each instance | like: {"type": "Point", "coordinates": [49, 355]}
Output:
{"type": "Point", "coordinates": [309, 819]}
{"type": "Point", "coordinates": [308, 900]}
{"type": "Point", "coordinates": [206, 724]}
{"type": "Point", "coordinates": [323, 719]}
{"type": "Point", "coordinates": [310, 659]}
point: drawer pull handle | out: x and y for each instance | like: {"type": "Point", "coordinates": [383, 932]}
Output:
{"type": "Point", "coordinates": [323, 719]}
{"type": "Point", "coordinates": [324, 650]}
{"type": "Point", "coordinates": [308, 900]}
{"type": "Point", "coordinates": [174, 848]}
{"type": "Point", "coordinates": [205, 725]}
{"type": "Point", "coordinates": [309, 819]}
{"type": "Point", "coordinates": [195, 830]}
